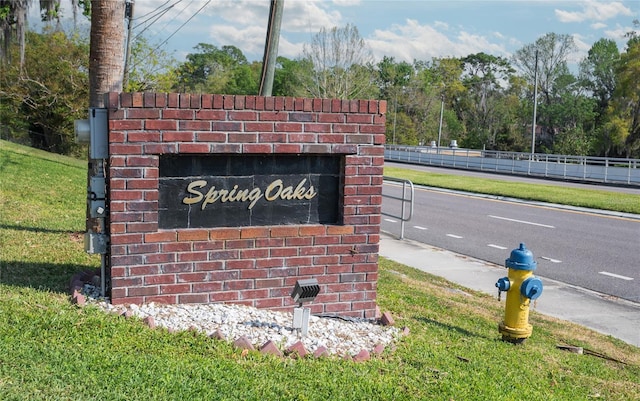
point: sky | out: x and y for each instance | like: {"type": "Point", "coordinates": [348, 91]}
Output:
{"type": "Point", "coordinates": [404, 30]}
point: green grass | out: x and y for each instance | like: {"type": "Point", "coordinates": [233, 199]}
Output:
{"type": "Point", "coordinates": [52, 350]}
{"type": "Point", "coordinates": [589, 198]}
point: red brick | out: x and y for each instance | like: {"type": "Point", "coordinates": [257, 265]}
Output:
{"type": "Point", "coordinates": [193, 298]}
{"type": "Point", "coordinates": [362, 356]}
{"type": "Point", "coordinates": [243, 343]}
{"type": "Point", "coordinates": [240, 264]}
{"type": "Point", "coordinates": [178, 114]}
{"type": "Point", "coordinates": [175, 247]}
{"type": "Point", "coordinates": [284, 231]}
{"type": "Point", "coordinates": [166, 236]}
{"type": "Point", "coordinates": [287, 148]}
{"type": "Point", "coordinates": [191, 277]}
{"type": "Point", "coordinates": [161, 299]}
{"type": "Point", "coordinates": [211, 137]}
{"type": "Point", "coordinates": [193, 256]}
{"type": "Point", "coordinates": [222, 296]}
{"type": "Point", "coordinates": [193, 235]}
{"type": "Point", "coordinates": [177, 267]}
{"type": "Point", "coordinates": [254, 253]}
{"type": "Point", "coordinates": [297, 349]}
{"type": "Point", "coordinates": [207, 287]}
{"type": "Point", "coordinates": [225, 233]}
{"type": "Point", "coordinates": [126, 239]}
{"type": "Point", "coordinates": [141, 270]}
{"type": "Point", "coordinates": [165, 125]}
{"type": "Point", "coordinates": [270, 262]}
{"type": "Point", "coordinates": [268, 303]}
{"type": "Point", "coordinates": [298, 241]}
{"type": "Point", "coordinates": [255, 294]}
{"type": "Point", "coordinates": [259, 127]}
{"type": "Point", "coordinates": [175, 288]}
{"type": "Point", "coordinates": [254, 273]}
{"type": "Point", "coordinates": [142, 291]}
{"type": "Point", "coordinates": [339, 230]}
{"type": "Point", "coordinates": [195, 125]}
{"type": "Point", "coordinates": [387, 319]}
{"type": "Point", "coordinates": [312, 230]}
{"type": "Point", "coordinates": [160, 279]}
{"type": "Point", "coordinates": [208, 266]}
{"type": "Point", "coordinates": [270, 348]}
{"type": "Point", "coordinates": [211, 115]}
{"type": "Point", "coordinates": [269, 283]}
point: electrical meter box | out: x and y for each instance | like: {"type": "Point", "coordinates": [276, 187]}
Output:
{"type": "Point", "coordinates": [94, 131]}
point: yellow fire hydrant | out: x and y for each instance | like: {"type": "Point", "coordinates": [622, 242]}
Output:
{"type": "Point", "coordinates": [521, 287]}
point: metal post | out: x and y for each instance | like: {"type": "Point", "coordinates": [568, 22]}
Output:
{"type": "Point", "coordinates": [440, 126]}
{"type": "Point", "coordinates": [395, 116]}
{"type": "Point", "coordinates": [535, 108]}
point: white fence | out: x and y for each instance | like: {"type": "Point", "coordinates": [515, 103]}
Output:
{"type": "Point", "coordinates": [574, 168]}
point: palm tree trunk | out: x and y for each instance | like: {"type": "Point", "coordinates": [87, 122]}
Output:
{"type": "Point", "coordinates": [106, 62]}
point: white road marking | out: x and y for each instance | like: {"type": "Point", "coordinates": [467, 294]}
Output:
{"type": "Point", "coordinates": [419, 228]}
{"type": "Point", "coordinates": [502, 248]}
{"type": "Point", "coordinates": [551, 259]}
{"type": "Point", "coordinates": [617, 276]}
{"type": "Point", "coordinates": [391, 220]}
{"type": "Point", "coordinates": [454, 236]}
{"type": "Point", "coordinates": [521, 221]}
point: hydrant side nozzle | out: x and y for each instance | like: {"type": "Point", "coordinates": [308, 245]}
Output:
{"type": "Point", "coordinates": [503, 284]}
{"type": "Point", "coordinates": [531, 288]}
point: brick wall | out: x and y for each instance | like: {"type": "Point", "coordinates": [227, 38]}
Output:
{"type": "Point", "coordinates": [257, 266]}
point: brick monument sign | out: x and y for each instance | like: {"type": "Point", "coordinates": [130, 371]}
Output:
{"type": "Point", "coordinates": [220, 198]}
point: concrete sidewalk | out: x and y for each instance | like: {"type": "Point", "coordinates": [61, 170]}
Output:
{"type": "Point", "coordinates": [618, 318]}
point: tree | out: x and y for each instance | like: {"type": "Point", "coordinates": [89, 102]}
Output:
{"type": "Point", "coordinates": [598, 71]}
{"type": "Point", "coordinates": [626, 108]}
{"type": "Point", "coordinates": [151, 69]}
{"type": "Point", "coordinates": [213, 70]}
{"type": "Point", "coordinates": [45, 96]}
{"type": "Point", "coordinates": [485, 77]}
{"type": "Point", "coordinates": [392, 75]}
{"type": "Point", "coordinates": [291, 77]}
{"type": "Point", "coordinates": [106, 58]}
{"type": "Point", "coordinates": [548, 56]}
{"type": "Point", "coordinates": [13, 20]}
{"type": "Point", "coordinates": [342, 64]}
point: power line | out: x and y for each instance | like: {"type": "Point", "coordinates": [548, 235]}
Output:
{"type": "Point", "coordinates": [176, 31]}
{"type": "Point", "coordinates": [183, 24]}
{"type": "Point", "coordinates": [155, 18]}
{"type": "Point", "coordinates": [158, 8]}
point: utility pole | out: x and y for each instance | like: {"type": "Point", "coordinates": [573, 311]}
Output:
{"type": "Point", "coordinates": [441, 115]}
{"type": "Point", "coordinates": [271, 47]}
{"type": "Point", "coordinates": [129, 15]}
{"type": "Point", "coordinates": [535, 107]}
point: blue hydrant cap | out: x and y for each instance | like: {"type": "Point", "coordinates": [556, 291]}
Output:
{"type": "Point", "coordinates": [531, 288]}
{"type": "Point", "coordinates": [521, 259]}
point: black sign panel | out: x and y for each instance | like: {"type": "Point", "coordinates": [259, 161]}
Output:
{"type": "Point", "coordinates": [248, 190]}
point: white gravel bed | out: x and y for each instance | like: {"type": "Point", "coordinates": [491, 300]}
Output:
{"type": "Point", "coordinates": [338, 336]}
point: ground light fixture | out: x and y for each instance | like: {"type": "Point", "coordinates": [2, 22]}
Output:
{"type": "Point", "coordinates": [304, 291]}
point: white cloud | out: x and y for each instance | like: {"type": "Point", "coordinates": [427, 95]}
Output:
{"type": "Point", "coordinates": [594, 11]}
{"type": "Point", "coordinates": [582, 49]}
{"type": "Point", "coordinates": [598, 25]}
{"type": "Point", "coordinates": [413, 41]}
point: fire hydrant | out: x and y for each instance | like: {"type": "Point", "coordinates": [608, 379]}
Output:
{"type": "Point", "coordinates": [521, 287]}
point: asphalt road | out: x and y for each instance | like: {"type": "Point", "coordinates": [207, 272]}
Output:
{"type": "Point", "coordinates": [577, 247]}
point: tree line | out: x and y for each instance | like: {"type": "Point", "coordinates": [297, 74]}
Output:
{"type": "Point", "coordinates": [480, 100]}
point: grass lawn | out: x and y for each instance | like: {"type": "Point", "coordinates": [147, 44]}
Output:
{"type": "Point", "coordinates": [52, 350]}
